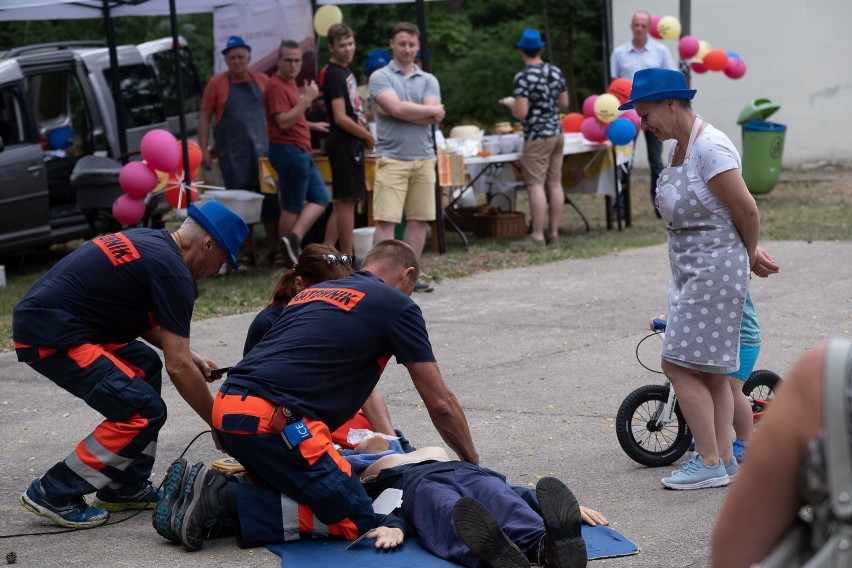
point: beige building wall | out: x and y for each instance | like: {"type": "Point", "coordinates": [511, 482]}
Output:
{"type": "Point", "coordinates": [798, 54]}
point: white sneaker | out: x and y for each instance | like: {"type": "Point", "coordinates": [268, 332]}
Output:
{"type": "Point", "coordinates": [695, 474]}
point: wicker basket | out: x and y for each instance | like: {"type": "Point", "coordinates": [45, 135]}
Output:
{"type": "Point", "coordinates": [463, 217]}
{"type": "Point", "coordinates": [491, 222]}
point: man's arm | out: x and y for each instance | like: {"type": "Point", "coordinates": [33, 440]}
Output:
{"type": "Point", "coordinates": [183, 368]}
{"type": "Point", "coordinates": [341, 119]}
{"type": "Point", "coordinates": [444, 409]}
{"type": "Point", "coordinates": [285, 120]}
{"type": "Point", "coordinates": [430, 112]}
{"type": "Point", "coordinates": [376, 412]}
{"type": "Point", "coordinates": [204, 119]}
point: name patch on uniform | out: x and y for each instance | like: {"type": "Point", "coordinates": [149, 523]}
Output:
{"type": "Point", "coordinates": [296, 433]}
{"type": "Point", "coordinates": [118, 248]}
{"type": "Point", "coordinates": [344, 298]}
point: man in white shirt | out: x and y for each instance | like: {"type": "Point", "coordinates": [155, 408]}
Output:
{"type": "Point", "coordinates": [642, 53]}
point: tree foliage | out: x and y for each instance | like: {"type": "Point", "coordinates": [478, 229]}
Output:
{"type": "Point", "coordinates": [471, 43]}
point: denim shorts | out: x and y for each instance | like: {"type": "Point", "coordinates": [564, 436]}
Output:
{"type": "Point", "coordinates": [299, 180]}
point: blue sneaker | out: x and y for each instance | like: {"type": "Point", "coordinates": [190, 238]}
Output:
{"type": "Point", "coordinates": [135, 496]}
{"type": "Point", "coordinates": [172, 489]}
{"type": "Point", "coordinates": [739, 450]}
{"type": "Point", "coordinates": [74, 513]}
{"type": "Point", "coordinates": [732, 467]}
{"type": "Point", "coordinates": [694, 474]}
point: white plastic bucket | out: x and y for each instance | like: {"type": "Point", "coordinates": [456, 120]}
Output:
{"type": "Point", "coordinates": [362, 240]}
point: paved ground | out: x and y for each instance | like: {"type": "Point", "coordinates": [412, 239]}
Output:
{"type": "Point", "coordinates": [540, 357]}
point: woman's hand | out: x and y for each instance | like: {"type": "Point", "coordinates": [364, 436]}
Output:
{"type": "Point", "coordinates": [386, 537]}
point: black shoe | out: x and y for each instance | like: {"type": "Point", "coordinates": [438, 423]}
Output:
{"type": "Point", "coordinates": [422, 286]}
{"type": "Point", "coordinates": [292, 246]}
{"type": "Point", "coordinates": [201, 511]}
{"type": "Point", "coordinates": [564, 544]}
{"type": "Point", "coordinates": [173, 485]}
{"type": "Point", "coordinates": [480, 531]}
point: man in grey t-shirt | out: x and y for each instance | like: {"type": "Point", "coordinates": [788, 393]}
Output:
{"type": "Point", "coordinates": [407, 102]}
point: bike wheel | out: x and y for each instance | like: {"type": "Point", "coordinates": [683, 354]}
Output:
{"type": "Point", "coordinates": [641, 439]}
{"type": "Point", "coordinates": [760, 389]}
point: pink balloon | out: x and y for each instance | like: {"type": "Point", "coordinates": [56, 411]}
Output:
{"type": "Point", "coordinates": [698, 67]}
{"type": "Point", "coordinates": [655, 20]}
{"type": "Point", "coordinates": [593, 129]}
{"type": "Point", "coordinates": [128, 211]}
{"type": "Point", "coordinates": [736, 68]}
{"type": "Point", "coordinates": [161, 150]}
{"type": "Point", "coordinates": [633, 117]}
{"type": "Point", "coordinates": [589, 105]}
{"type": "Point", "coordinates": [688, 46]}
{"type": "Point", "coordinates": [137, 180]}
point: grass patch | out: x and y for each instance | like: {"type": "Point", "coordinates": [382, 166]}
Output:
{"type": "Point", "coordinates": [804, 206]}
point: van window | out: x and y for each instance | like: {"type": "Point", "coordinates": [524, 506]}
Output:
{"type": "Point", "coordinates": [58, 101]}
{"type": "Point", "coordinates": [139, 96]}
{"type": "Point", "coordinates": [163, 65]}
{"type": "Point", "coordinates": [12, 129]}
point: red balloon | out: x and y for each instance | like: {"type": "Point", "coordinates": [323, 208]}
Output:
{"type": "Point", "coordinates": [736, 68]}
{"type": "Point", "coordinates": [137, 179]}
{"type": "Point", "coordinates": [128, 211]}
{"type": "Point", "coordinates": [593, 129]}
{"type": "Point", "coordinates": [194, 158]}
{"type": "Point", "coordinates": [620, 88]}
{"type": "Point", "coordinates": [698, 67]}
{"type": "Point", "coordinates": [715, 60]}
{"type": "Point", "coordinates": [176, 195]}
{"type": "Point", "coordinates": [589, 105]}
{"type": "Point", "coordinates": [688, 46]}
{"type": "Point", "coordinates": [572, 122]}
{"type": "Point", "coordinates": [655, 20]}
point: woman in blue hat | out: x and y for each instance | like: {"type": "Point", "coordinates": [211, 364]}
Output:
{"type": "Point", "coordinates": [713, 226]}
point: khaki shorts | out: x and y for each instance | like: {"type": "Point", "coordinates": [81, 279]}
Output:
{"type": "Point", "coordinates": [541, 161]}
{"type": "Point", "coordinates": [404, 185]}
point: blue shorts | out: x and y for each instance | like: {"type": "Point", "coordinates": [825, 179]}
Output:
{"type": "Point", "coordinates": [748, 357]}
{"type": "Point", "coordinates": [299, 180]}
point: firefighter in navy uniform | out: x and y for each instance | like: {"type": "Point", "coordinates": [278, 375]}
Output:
{"type": "Point", "coordinates": [79, 326]}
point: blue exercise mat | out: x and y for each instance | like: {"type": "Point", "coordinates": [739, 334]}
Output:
{"type": "Point", "coordinates": [601, 542]}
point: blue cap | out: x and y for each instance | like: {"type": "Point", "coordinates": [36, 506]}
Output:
{"type": "Point", "coordinates": [376, 59]}
{"type": "Point", "coordinates": [656, 84]}
{"type": "Point", "coordinates": [226, 227]}
{"type": "Point", "coordinates": [530, 39]}
{"type": "Point", "coordinates": [235, 41]}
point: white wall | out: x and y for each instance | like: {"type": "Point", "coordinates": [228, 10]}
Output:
{"type": "Point", "coordinates": [798, 54]}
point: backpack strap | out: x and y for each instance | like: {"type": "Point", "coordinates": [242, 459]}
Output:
{"type": "Point", "coordinates": [836, 425]}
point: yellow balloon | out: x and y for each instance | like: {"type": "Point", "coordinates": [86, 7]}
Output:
{"type": "Point", "coordinates": [606, 107]}
{"type": "Point", "coordinates": [669, 27]}
{"type": "Point", "coordinates": [703, 48]}
{"type": "Point", "coordinates": [326, 17]}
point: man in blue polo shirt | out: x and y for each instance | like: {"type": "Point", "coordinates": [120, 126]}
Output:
{"type": "Point", "coordinates": [79, 326]}
{"type": "Point", "coordinates": [312, 371]}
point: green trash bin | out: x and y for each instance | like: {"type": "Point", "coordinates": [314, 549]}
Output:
{"type": "Point", "coordinates": [763, 145]}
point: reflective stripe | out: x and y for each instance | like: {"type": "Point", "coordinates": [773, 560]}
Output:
{"type": "Point", "coordinates": [92, 476]}
{"type": "Point", "coordinates": [289, 518]}
{"type": "Point", "coordinates": [101, 453]}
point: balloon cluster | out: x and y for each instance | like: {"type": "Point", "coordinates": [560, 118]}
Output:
{"type": "Point", "coordinates": [700, 53]}
{"type": "Point", "coordinates": [600, 119]}
{"type": "Point", "coordinates": [161, 170]}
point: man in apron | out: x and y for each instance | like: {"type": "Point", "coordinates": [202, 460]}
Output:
{"type": "Point", "coordinates": [235, 97]}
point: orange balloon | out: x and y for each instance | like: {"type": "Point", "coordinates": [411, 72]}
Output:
{"type": "Point", "coordinates": [715, 60]}
{"type": "Point", "coordinates": [620, 88]}
{"type": "Point", "coordinates": [176, 195]}
{"type": "Point", "coordinates": [572, 122]}
{"type": "Point", "coordinates": [194, 158]}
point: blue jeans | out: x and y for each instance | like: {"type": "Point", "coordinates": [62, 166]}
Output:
{"type": "Point", "coordinates": [299, 180]}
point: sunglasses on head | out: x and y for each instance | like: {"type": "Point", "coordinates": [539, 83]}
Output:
{"type": "Point", "coordinates": [332, 260]}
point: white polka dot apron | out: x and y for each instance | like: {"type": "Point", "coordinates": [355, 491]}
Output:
{"type": "Point", "coordinates": [710, 273]}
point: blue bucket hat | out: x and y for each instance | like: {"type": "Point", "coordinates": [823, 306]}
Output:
{"type": "Point", "coordinates": [376, 59]}
{"type": "Point", "coordinates": [226, 227]}
{"type": "Point", "coordinates": [658, 84]}
{"type": "Point", "coordinates": [235, 41]}
{"type": "Point", "coordinates": [530, 39]}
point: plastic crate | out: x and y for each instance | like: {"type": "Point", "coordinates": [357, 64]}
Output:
{"type": "Point", "coordinates": [246, 204]}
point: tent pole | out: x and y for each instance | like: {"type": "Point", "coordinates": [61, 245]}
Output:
{"type": "Point", "coordinates": [685, 26]}
{"type": "Point", "coordinates": [115, 82]}
{"type": "Point", "coordinates": [187, 175]}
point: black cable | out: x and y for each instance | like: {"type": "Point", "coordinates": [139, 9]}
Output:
{"type": "Point", "coordinates": [68, 530]}
{"type": "Point", "coordinates": [655, 333]}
